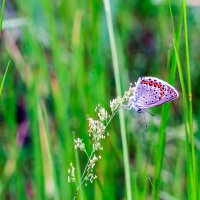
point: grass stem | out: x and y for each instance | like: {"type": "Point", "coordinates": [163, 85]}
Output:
{"type": "Point", "coordinates": [118, 89]}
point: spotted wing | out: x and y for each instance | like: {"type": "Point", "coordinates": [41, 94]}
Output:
{"type": "Point", "coordinates": [151, 91]}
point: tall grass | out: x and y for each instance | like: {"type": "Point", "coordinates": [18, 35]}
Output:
{"type": "Point", "coordinates": [119, 93]}
{"type": "Point", "coordinates": [166, 108]}
{"type": "Point", "coordinates": [187, 105]}
{"type": "Point", "coordinates": [2, 14]}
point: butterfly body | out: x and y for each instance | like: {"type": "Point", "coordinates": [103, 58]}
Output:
{"type": "Point", "coordinates": [150, 92]}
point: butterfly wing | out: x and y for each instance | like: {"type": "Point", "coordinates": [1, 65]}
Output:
{"type": "Point", "coordinates": [138, 89]}
{"type": "Point", "coordinates": [151, 91]}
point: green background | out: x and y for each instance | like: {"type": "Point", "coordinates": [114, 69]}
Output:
{"type": "Point", "coordinates": [61, 68]}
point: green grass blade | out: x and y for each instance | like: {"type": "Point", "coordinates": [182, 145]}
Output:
{"type": "Point", "coordinates": [118, 89]}
{"type": "Point", "coordinates": [4, 77]}
{"type": "Point", "coordinates": [2, 14]}
{"type": "Point", "coordinates": [38, 175]}
{"type": "Point", "coordinates": [78, 171]}
{"type": "Point", "coordinates": [47, 153]}
{"type": "Point", "coordinates": [191, 140]}
{"type": "Point", "coordinates": [165, 110]}
{"type": "Point", "coordinates": [191, 186]}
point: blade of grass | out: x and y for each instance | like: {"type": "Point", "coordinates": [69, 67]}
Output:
{"type": "Point", "coordinates": [190, 154]}
{"type": "Point", "coordinates": [2, 14]}
{"type": "Point", "coordinates": [118, 89]}
{"type": "Point", "coordinates": [78, 171]}
{"type": "Point", "coordinates": [38, 175]}
{"type": "Point", "coordinates": [189, 94]}
{"type": "Point", "coordinates": [161, 147]}
{"type": "Point", "coordinates": [191, 185]}
{"type": "Point", "coordinates": [166, 107]}
{"type": "Point", "coordinates": [4, 77]}
{"type": "Point", "coordinates": [49, 166]}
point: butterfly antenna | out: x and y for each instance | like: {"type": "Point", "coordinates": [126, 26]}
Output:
{"type": "Point", "coordinates": [144, 120]}
{"type": "Point", "coordinates": [150, 113]}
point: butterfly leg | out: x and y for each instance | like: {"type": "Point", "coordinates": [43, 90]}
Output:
{"type": "Point", "coordinates": [149, 112]}
{"type": "Point", "coordinates": [144, 120]}
{"type": "Point", "coordinates": [131, 104]}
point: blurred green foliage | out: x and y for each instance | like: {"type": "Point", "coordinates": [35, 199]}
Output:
{"type": "Point", "coordinates": [61, 68]}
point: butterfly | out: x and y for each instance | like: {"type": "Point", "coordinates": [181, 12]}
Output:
{"type": "Point", "coordinates": [150, 92]}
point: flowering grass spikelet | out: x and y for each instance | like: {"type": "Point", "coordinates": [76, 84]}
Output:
{"type": "Point", "coordinates": [102, 113]}
{"type": "Point", "coordinates": [96, 129]}
{"type": "Point", "coordinates": [79, 144]}
{"type": "Point", "coordinates": [115, 104]}
{"type": "Point", "coordinates": [97, 146]}
{"type": "Point", "coordinates": [71, 173]}
{"type": "Point", "coordinates": [128, 94]}
{"type": "Point", "coordinates": [90, 175]}
{"type": "Point", "coordinates": [93, 162]}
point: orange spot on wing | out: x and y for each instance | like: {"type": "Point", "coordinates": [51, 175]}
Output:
{"type": "Point", "coordinates": [162, 94]}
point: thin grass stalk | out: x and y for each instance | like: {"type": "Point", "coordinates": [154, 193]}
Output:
{"type": "Point", "coordinates": [118, 89]}
{"type": "Point", "coordinates": [2, 14]}
{"type": "Point", "coordinates": [162, 136]}
{"type": "Point", "coordinates": [44, 121]}
{"type": "Point", "coordinates": [190, 154]}
{"type": "Point", "coordinates": [4, 77]}
{"type": "Point", "coordinates": [78, 170]}
{"type": "Point", "coordinates": [165, 110]}
{"type": "Point", "coordinates": [177, 37]}
{"type": "Point", "coordinates": [188, 158]}
{"type": "Point", "coordinates": [189, 92]}
{"type": "Point", "coordinates": [191, 188]}
{"type": "Point", "coordinates": [38, 174]}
